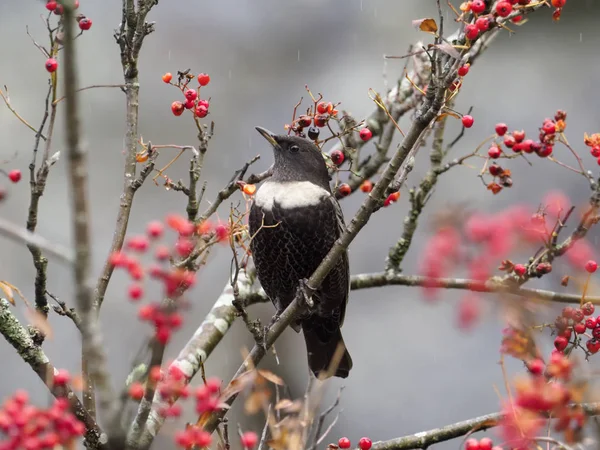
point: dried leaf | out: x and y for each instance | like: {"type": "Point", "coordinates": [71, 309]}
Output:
{"type": "Point", "coordinates": [39, 321]}
{"type": "Point", "coordinates": [239, 384]}
{"type": "Point", "coordinates": [271, 377]}
{"type": "Point", "coordinates": [447, 113]}
{"type": "Point", "coordinates": [255, 401]}
{"type": "Point", "coordinates": [448, 49]}
{"type": "Point", "coordinates": [427, 25]}
{"type": "Point", "coordinates": [8, 292]}
{"type": "Point", "coordinates": [289, 405]}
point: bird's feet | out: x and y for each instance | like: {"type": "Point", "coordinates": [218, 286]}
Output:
{"type": "Point", "coordinates": [306, 293]}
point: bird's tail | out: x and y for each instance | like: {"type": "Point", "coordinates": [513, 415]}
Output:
{"type": "Point", "coordinates": [326, 359]}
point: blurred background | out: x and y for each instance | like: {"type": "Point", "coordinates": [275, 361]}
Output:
{"type": "Point", "coordinates": [413, 368]}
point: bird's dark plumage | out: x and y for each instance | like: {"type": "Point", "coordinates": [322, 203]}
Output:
{"type": "Point", "coordinates": [294, 221]}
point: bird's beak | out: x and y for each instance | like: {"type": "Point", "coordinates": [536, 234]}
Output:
{"type": "Point", "coordinates": [268, 136]}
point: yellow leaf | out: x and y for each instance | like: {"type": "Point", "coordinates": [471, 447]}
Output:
{"type": "Point", "coordinates": [288, 405]}
{"type": "Point", "coordinates": [427, 25]}
{"type": "Point", "coordinates": [8, 292]}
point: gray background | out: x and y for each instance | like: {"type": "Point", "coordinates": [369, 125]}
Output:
{"type": "Point", "coordinates": [413, 369]}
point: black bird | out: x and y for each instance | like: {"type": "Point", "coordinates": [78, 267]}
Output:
{"type": "Point", "coordinates": [294, 221]}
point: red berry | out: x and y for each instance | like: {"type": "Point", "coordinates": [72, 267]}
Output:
{"type": "Point", "coordinates": [14, 175]}
{"type": "Point", "coordinates": [392, 198]}
{"type": "Point", "coordinates": [544, 150]}
{"type": "Point", "coordinates": [191, 94]}
{"type": "Point", "coordinates": [366, 186]}
{"type": "Point", "coordinates": [579, 328]}
{"type": "Point", "coordinates": [464, 70]}
{"type": "Point", "coordinates": [520, 269]}
{"type": "Point", "coordinates": [135, 292]}
{"type": "Point", "coordinates": [495, 170]}
{"type": "Point", "coordinates": [477, 6]}
{"type": "Point", "coordinates": [344, 189]}
{"type": "Point", "coordinates": [138, 243]}
{"type": "Point", "coordinates": [595, 151]}
{"type": "Point", "coordinates": [365, 443]}
{"type": "Point", "coordinates": [593, 345]}
{"type": "Point", "coordinates": [527, 145]}
{"type": "Point", "coordinates": [249, 439]}
{"type": "Point", "coordinates": [322, 108]}
{"type": "Point", "coordinates": [482, 24]}
{"type": "Point", "coordinates": [578, 315]}
{"type": "Point", "coordinates": [365, 134]}
{"type": "Point", "coordinates": [51, 65]}
{"type": "Point", "coordinates": [501, 129]}
{"type": "Point", "coordinates": [471, 444]}
{"type": "Point", "coordinates": [494, 152]}
{"type": "Point", "coordinates": [588, 308]}
{"type": "Point", "coordinates": [560, 343]}
{"type": "Point", "coordinates": [177, 108]}
{"type": "Point", "coordinates": [59, 9]}
{"type": "Point", "coordinates": [558, 3]}
{"type": "Point", "coordinates": [201, 111]}
{"type": "Point", "coordinates": [167, 77]}
{"type": "Point", "coordinates": [189, 104]}
{"type": "Point", "coordinates": [163, 335]}
{"type": "Point", "coordinates": [467, 121]}
{"type": "Point", "coordinates": [321, 120]}
{"type": "Point", "coordinates": [146, 312]}
{"type": "Point", "coordinates": [61, 377]}
{"type": "Point", "coordinates": [590, 323]}
{"type": "Point", "coordinates": [549, 127]}
{"type": "Point", "coordinates": [155, 229]}
{"type": "Point", "coordinates": [337, 157]}
{"type": "Point", "coordinates": [136, 390]}
{"type": "Point", "coordinates": [536, 367]}
{"type": "Point", "coordinates": [344, 443]}
{"type": "Point", "coordinates": [203, 79]}
{"type": "Point", "coordinates": [503, 8]}
{"type": "Point", "coordinates": [486, 444]}
{"type": "Point", "coordinates": [471, 31]}
{"type": "Point", "coordinates": [519, 135]}
{"type": "Point", "coordinates": [85, 24]}
{"type": "Point", "coordinates": [516, 19]}
{"type": "Point", "coordinates": [591, 266]}
{"type": "Point", "coordinates": [51, 5]}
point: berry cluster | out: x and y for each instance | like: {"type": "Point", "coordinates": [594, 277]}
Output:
{"type": "Point", "coordinates": [84, 23]}
{"type": "Point", "coordinates": [593, 142]}
{"type": "Point", "coordinates": [481, 444]}
{"type": "Point", "coordinates": [192, 100]}
{"type": "Point", "coordinates": [316, 117]}
{"type": "Point", "coordinates": [25, 426]}
{"type": "Point", "coordinates": [175, 280]}
{"type": "Point", "coordinates": [344, 443]}
{"type": "Point", "coordinates": [573, 323]}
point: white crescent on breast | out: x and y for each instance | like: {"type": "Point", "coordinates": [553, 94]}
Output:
{"type": "Point", "coordinates": [289, 194]}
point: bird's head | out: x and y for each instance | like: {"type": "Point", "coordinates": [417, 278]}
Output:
{"type": "Point", "coordinates": [296, 159]}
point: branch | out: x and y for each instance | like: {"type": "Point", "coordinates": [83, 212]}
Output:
{"type": "Point", "coordinates": [93, 355]}
{"type": "Point", "coordinates": [18, 336]}
{"type": "Point", "coordinates": [425, 439]}
{"type": "Point", "coordinates": [18, 234]}
{"type": "Point", "coordinates": [197, 350]}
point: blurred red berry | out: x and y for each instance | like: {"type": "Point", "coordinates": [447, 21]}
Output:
{"type": "Point", "coordinates": [61, 377]}
{"type": "Point", "coordinates": [14, 175]}
{"type": "Point", "coordinates": [136, 391]}
{"type": "Point", "coordinates": [501, 129]}
{"type": "Point", "coordinates": [593, 345]}
{"type": "Point", "coordinates": [520, 269]}
{"type": "Point", "coordinates": [51, 5]}
{"type": "Point", "coordinates": [482, 24]}
{"type": "Point", "coordinates": [471, 31]}
{"type": "Point", "coordinates": [464, 70]}
{"type": "Point", "coordinates": [344, 189]}
{"type": "Point", "coordinates": [135, 292]}
{"type": "Point", "coordinates": [366, 186]}
{"type": "Point", "coordinates": [560, 343]}
{"type": "Point", "coordinates": [249, 440]}
{"type": "Point", "coordinates": [478, 6]}
{"type": "Point", "coordinates": [559, 3]}
{"type": "Point", "coordinates": [337, 157]}
{"type": "Point", "coordinates": [591, 266]}
{"type": "Point", "coordinates": [471, 444]}
{"type": "Point", "coordinates": [155, 229]}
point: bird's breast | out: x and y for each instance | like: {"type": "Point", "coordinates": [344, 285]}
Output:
{"type": "Point", "coordinates": [289, 194]}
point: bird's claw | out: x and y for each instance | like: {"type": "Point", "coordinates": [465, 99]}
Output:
{"type": "Point", "coordinates": [306, 293]}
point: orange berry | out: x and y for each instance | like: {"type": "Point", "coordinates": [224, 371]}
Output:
{"type": "Point", "coordinates": [141, 157]}
{"type": "Point", "coordinates": [366, 186]}
{"type": "Point", "coordinates": [249, 189]}
{"type": "Point", "coordinates": [167, 77]}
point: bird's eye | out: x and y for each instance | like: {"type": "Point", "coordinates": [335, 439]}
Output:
{"type": "Point", "coordinates": [294, 149]}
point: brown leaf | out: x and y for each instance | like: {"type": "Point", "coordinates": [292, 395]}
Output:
{"type": "Point", "coordinates": [447, 113]}
{"type": "Point", "coordinates": [255, 401]}
{"type": "Point", "coordinates": [427, 25]}
{"type": "Point", "coordinates": [271, 377]}
{"type": "Point", "coordinates": [239, 384]}
{"type": "Point", "coordinates": [8, 292]}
